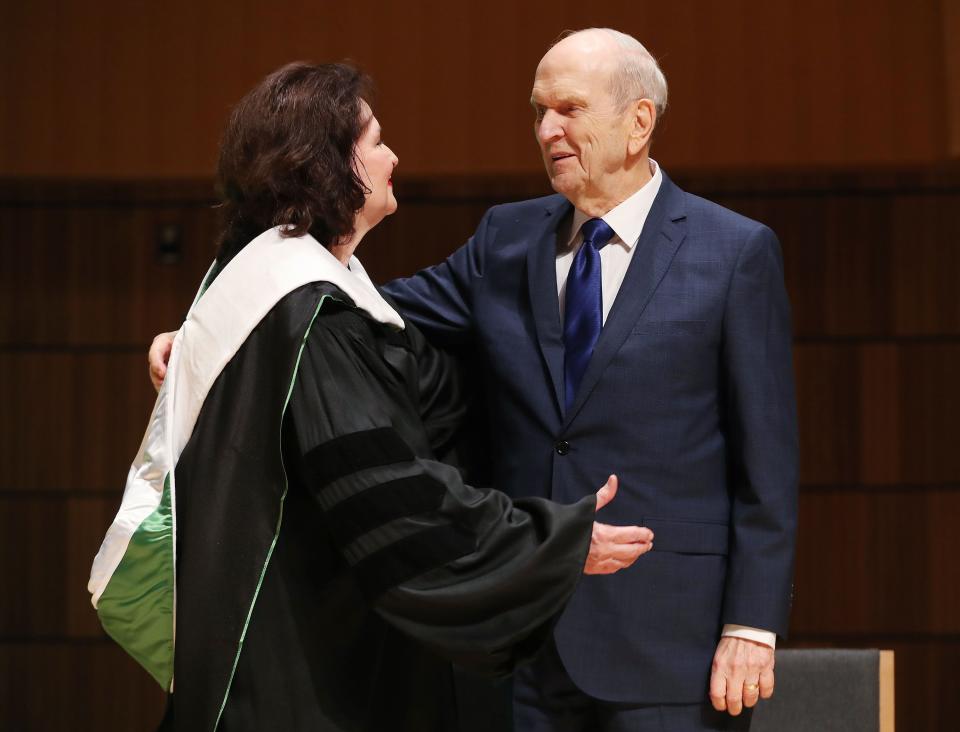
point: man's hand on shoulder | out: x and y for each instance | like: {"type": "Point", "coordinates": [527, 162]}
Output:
{"type": "Point", "coordinates": [742, 674]}
{"type": "Point", "coordinates": [613, 548]}
{"type": "Point", "coordinates": [158, 356]}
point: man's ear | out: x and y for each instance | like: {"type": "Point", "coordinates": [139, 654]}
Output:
{"type": "Point", "coordinates": [644, 120]}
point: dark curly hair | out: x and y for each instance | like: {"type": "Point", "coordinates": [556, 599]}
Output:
{"type": "Point", "coordinates": [287, 156]}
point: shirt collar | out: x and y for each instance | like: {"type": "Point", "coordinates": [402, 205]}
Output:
{"type": "Point", "coordinates": [626, 219]}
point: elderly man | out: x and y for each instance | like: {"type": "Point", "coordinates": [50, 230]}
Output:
{"type": "Point", "coordinates": [628, 326]}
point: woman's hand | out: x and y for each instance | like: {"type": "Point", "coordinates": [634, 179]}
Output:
{"type": "Point", "coordinates": [613, 548]}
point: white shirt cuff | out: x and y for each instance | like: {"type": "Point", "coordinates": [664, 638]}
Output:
{"type": "Point", "coordinates": [748, 633]}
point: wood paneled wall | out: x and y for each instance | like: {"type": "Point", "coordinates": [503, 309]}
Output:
{"type": "Point", "coordinates": [951, 46]}
{"type": "Point", "coordinates": [129, 88]}
{"type": "Point", "coordinates": [872, 263]}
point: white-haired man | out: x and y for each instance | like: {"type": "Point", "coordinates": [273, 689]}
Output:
{"type": "Point", "coordinates": [660, 350]}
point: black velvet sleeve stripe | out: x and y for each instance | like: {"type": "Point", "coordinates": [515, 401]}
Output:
{"type": "Point", "coordinates": [354, 452]}
{"type": "Point", "coordinates": [412, 556]}
{"type": "Point", "coordinates": [383, 503]}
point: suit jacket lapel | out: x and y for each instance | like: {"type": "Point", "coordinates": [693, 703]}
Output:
{"type": "Point", "coordinates": [542, 286]}
{"type": "Point", "coordinates": [662, 234]}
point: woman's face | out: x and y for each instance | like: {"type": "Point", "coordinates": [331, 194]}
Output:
{"type": "Point", "coordinates": [375, 164]}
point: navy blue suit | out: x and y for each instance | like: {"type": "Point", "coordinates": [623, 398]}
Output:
{"type": "Point", "coordinates": [688, 398]}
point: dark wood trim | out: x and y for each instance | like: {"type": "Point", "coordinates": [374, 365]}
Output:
{"type": "Point", "coordinates": [875, 488]}
{"type": "Point", "coordinates": [802, 340]}
{"type": "Point", "coordinates": [55, 640]}
{"type": "Point", "coordinates": [76, 349]}
{"type": "Point", "coordinates": [876, 639]}
{"type": "Point", "coordinates": [942, 178]}
{"type": "Point", "coordinates": [873, 340]}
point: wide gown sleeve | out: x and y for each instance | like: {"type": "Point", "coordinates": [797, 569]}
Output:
{"type": "Point", "coordinates": [474, 576]}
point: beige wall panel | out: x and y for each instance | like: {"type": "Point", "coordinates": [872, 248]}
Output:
{"type": "Point", "coordinates": [881, 423]}
{"type": "Point", "coordinates": [89, 273]}
{"type": "Point", "coordinates": [827, 408]}
{"type": "Point", "coordinates": [66, 687]}
{"type": "Point", "coordinates": [134, 89]}
{"type": "Point", "coordinates": [863, 256]}
{"type": "Point", "coordinates": [899, 402]}
{"type": "Point", "coordinates": [924, 264]}
{"type": "Point", "coordinates": [72, 421]}
{"type": "Point", "coordinates": [48, 546]}
{"type": "Point", "coordinates": [951, 43]}
{"type": "Point", "coordinates": [877, 563]}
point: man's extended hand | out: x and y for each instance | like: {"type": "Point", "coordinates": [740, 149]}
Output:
{"type": "Point", "coordinates": [158, 356]}
{"type": "Point", "coordinates": [742, 674]}
{"type": "Point", "coordinates": [613, 548]}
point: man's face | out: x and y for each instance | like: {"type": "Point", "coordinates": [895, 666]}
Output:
{"type": "Point", "coordinates": [583, 136]}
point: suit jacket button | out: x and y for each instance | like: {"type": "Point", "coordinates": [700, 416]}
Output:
{"type": "Point", "coordinates": [562, 447]}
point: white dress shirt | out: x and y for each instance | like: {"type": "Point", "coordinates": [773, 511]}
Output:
{"type": "Point", "coordinates": [626, 220]}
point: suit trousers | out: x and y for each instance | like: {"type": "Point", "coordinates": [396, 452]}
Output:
{"type": "Point", "coordinates": [547, 700]}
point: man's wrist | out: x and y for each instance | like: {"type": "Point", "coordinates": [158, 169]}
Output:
{"type": "Point", "coordinates": [757, 635]}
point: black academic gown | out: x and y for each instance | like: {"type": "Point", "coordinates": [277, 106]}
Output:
{"type": "Point", "coordinates": [329, 568]}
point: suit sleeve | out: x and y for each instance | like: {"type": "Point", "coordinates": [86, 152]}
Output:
{"type": "Point", "coordinates": [760, 406]}
{"type": "Point", "coordinates": [474, 576]}
{"type": "Point", "coordinates": [439, 299]}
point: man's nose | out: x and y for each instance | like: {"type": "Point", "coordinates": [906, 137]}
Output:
{"type": "Point", "coordinates": [550, 127]}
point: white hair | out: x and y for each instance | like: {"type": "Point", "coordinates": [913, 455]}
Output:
{"type": "Point", "coordinates": [638, 76]}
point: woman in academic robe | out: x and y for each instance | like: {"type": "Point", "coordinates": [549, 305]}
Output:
{"type": "Point", "coordinates": [328, 568]}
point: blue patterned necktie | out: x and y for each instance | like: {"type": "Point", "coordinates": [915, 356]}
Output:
{"type": "Point", "coordinates": [583, 312]}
